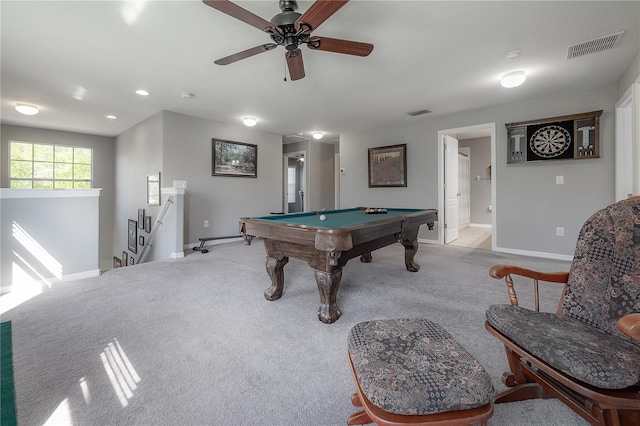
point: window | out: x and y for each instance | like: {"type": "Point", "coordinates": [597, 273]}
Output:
{"type": "Point", "coordinates": [49, 166]}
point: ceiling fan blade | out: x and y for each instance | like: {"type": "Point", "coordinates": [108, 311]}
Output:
{"type": "Point", "coordinates": [294, 62]}
{"type": "Point", "coordinates": [340, 46]}
{"type": "Point", "coordinates": [245, 54]}
{"type": "Point", "coordinates": [244, 15]}
{"type": "Point", "coordinates": [319, 12]}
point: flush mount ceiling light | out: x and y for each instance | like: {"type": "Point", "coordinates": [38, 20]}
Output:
{"type": "Point", "coordinates": [317, 135]}
{"type": "Point", "coordinates": [27, 109]}
{"type": "Point", "coordinates": [513, 79]}
{"type": "Point", "coordinates": [142, 92]}
{"type": "Point", "coordinates": [249, 121]}
{"type": "Point", "coordinates": [112, 117]}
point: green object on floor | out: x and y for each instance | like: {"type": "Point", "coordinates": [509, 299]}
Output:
{"type": "Point", "coordinates": [7, 394]}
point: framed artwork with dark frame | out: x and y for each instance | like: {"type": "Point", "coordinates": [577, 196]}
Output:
{"type": "Point", "coordinates": [116, 262]}
{"type": "Point", "coordinates": [147, 224]}
{"type": "Point", "coordinates": [153, 189]}
{"type": "Point", "coordinates": [125, 258]}
{"type": "Point", "coordinates": [132, 236]}
{"type": "Point", "coordinates": [140, 218]}
{"type": "Point", "coordinates": [234, 159]}
{"type": "Point", "coordinates": [388, 166]}
{"type": "Point", "coordinates": [141, 240]}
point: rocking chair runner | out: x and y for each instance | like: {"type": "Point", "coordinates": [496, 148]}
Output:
{"type": "Point", "coordinates": [587, 354]}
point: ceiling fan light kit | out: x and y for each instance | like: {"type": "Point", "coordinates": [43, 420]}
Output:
{"type": "Point", "coordinates": [291, 29]}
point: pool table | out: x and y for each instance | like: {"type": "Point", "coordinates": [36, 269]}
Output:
{"type": "Point", "coordinates": [327, 245]}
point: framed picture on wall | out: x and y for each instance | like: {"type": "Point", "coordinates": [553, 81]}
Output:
{"type": "Point", "coordinates": [116, 262]}
{"type": "Point", "coordinates": [234, 159]}
{"type": "Point", "coordinates": [140, 218]}
{"type": "Point", "coordinates": [147, 224]}
{"type": "Point", "coordinates": [388, 166]}
{"type": "Point", "coordinates": [125, 258]}
{"type": "Point", "coordinates": [132, 236]}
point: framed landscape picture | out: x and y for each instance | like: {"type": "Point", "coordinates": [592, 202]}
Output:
{"type": "Point", "coordinates": [234, 159]}
{"type": "Point", "coordinates": [388, 166]}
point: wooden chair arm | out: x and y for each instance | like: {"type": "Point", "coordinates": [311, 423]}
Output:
{"type": "Point", "coordinates": [505, 271]}
{"type": "Point", "coordinates": [501, 271]}
{"type": "Point", "coordinates": [630, 325]}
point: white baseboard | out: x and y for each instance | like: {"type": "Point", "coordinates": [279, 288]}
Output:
{"type": "Point", "coordinates": [543, 255]}
{"type": "Point", "coordinates": [176, 255]}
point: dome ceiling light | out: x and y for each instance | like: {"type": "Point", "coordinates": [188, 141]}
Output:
{"type": "Point", "coordinates": [27, 109]}
{"type": "Point", "coordinates": [513, 79]}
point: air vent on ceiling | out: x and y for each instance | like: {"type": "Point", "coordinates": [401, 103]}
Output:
{"type": "Point", "coordinates": [295, 139]}
{"type": "Point", "coordinates": [595, 45]}
{"type": "Point", "coordinates": [421, 112]}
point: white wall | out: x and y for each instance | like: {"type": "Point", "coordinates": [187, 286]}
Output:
{"type": "Point", "coordinates": [48, 236]}
{"type": "Point", "coordinates": [529, 204]}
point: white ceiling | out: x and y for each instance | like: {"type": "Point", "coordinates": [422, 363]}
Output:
{"type": "Point", "coordinates": [445, 56]}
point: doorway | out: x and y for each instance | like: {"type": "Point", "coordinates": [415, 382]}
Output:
{"type": "Point", "coordinates": [294, 185]}
{"type": "Point", "coordinates": [456, 148]}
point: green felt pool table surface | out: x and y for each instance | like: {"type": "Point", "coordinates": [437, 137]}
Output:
{"type": "Point", "coordinates": [343, 218]}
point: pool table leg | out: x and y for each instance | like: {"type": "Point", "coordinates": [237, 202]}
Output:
{"type": "Point", "coordinates": [410, 242]}
{"type": "Point", "coordinates": [276, 272]}
{"type": "Point", "coordinates": [328, 284]}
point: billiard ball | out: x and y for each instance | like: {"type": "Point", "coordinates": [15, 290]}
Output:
{"type": "Point", "coordinates": [323, 217]}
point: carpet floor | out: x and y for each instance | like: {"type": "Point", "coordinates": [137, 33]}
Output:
{"type": "Point", "coordinates": [193, 341]}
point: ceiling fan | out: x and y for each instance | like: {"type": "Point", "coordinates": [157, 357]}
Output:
{"type": "Point", "coordinates": [291, 29]}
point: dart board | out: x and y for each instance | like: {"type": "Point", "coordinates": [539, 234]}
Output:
{"type": "Point", "coordinates": [550, 141]}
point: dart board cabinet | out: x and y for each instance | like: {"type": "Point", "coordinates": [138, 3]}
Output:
{"type": "Point", "coordinates": [573, 137]}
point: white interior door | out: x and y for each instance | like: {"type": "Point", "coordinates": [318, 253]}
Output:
{"type": "Point", "coordinates": [450, 189]}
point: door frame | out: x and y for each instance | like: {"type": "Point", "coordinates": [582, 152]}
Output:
{"type": "Point", "coordinates": [627, 175]}
{"type": "Point", "coordinates": [491, 127]}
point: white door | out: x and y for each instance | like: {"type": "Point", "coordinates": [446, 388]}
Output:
{"type": "Point", "coordinates": [450, 189]}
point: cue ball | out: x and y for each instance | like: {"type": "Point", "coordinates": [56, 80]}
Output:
{"type": "Point", "coordinates": [323, 217]}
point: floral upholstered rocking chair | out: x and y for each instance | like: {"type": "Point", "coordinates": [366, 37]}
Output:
{"type": "Point", "coordinates": [587, 354]}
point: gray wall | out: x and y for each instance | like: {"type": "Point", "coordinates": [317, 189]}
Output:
{"type": "Point", "coordinates": [479, 159]}
{"type": "Point", "coordinates": [529, 205]}
{"type": "Point", "coordinates": [179, 146]}
{"type": "Point", "coordinates": [138, 153]}
{"type": "Point", "coordinates": [103, 170]}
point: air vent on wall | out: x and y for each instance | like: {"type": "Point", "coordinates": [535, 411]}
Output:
{"type": "Point", "coordinates": [421, 112]}
{"type": "Point", "coordinates": [595, 45]}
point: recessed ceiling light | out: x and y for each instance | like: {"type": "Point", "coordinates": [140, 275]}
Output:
{"type": "Point", "coordinates": [27, 109]}
{"type": "Point", "coordinates": [112, 117]}
{"type": "Point", "coordinates": [318, 135]}
{"type": "Point", "coordinates": [142, 92]}
{"type": "Point", "coordinates": [513, 79]}
{"type": "Point", "coordinates": [249, 121]}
